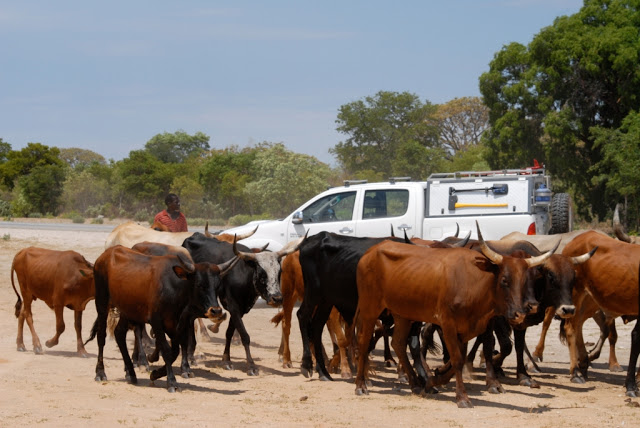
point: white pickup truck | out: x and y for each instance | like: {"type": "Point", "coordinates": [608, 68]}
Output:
{"type": "Point", "coordinates": [501, 201]}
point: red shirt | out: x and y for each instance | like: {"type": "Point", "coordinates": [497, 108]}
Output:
{"type": "Point", "coordinates": [177, 225]}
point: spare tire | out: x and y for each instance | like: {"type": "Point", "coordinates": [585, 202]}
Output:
{"type": "Point", "coordinates": [561, 214]}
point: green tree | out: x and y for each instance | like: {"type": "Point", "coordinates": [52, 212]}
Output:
{"type": "Point", "coordinates": [548, 100]}
{"type": "Point", "coordinates": [285, 179]}
{"type": "Point", "coordinates": [177, 147]}
{"type": "Point", "coordinates": [224, 175]}
{"type": "Point", "coordinates": [5, 148]}
{"type": "Point", "coordinates": [83, 190]}
{"type": "Point", "coordinates": [80, 158]}
{"type": "Point", "coordinates": [21, 162]}
{"type": "Point", "coordinates": [381, 128]}
{"type": "Point", "coordinates": [142, 181]}
{"type": "Point", "coordinates": [42, 188]}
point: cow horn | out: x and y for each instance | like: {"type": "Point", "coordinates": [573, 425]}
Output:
{"type": "Point", "coordinates": [462, 242]}
{"type": "Point", "coordinates": [618, 230]}
{"type": "Point", "coordinates": [458, 230]}
{"type": "Point", "coordinates": [538, 260]}
{"type": "Point", "coordinates": [583, 258]}
{"type": "Point", "coordinates": [245, 255]}
{"type": "Point", "coordinates": [393, 235]}
{"type": "Point", "coordinates": [488, 252]}
{"type": "Point", "coordinates": [291, 247]}
{"type": "Point", "coordinates": [406, 238]}
{"type": "Point", "coordinates": [248, 234]}
{"type": "Point", "coordinates": [206, 231]}
{"type": "Point", "coordinates": [186, 260]}
{"type": "Point", "coordinates": [226, 267]}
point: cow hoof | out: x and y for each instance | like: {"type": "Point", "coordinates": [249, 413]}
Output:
{"type": "Point", "coordinates": [173, 389]}
{"type": "Point", "coordinates": [346, 375]}
{"type": "Point", "coordinates": [287, 365]}
{"type": "Point", "coordinates": [417, 390]}
{"type": "Point", "coordinates": [253, 371]}
{"type": "Point", "coordinates": [228, 366]}
{"type": "Point", "coordinates": [362, 391]}
{"type": "Point", "coordinates": [615, 368]}
{"type": "Point", "coordinates": [532, 368]}
{"type": "Point", "coordinates": [578, 379]}
{"type": "Point", "coordinates": [465, 404]}
{"type": "Point", "coordinates": [368, 383]}
{"type": "Point", "coordinates": [37, 350]}
{"type": "Point", "coordinates": [324, 378]}
{"type": "Point", "coordinates": [536, 358]}
{"type": "Point", "coordinates": [390, 363]}
{"type": "Point", "coordinates": [187, 375]}
{"type": "Point", "coordinates": [51, 343]}
{"type": "Point", "coordinates": [431, 391]}
{"type": "Point", "coordinates": [101, 378]}
{"type": "Point", "coordinates": [496, 389]}
{"type": "Point", "coordinates": [21, 348]}
{"type": "Point", "coordinates": [83, 354]}
{"type": "Point", "coordinates": [632, 394]}
{"type": "Point", "coordinates": [402, 378]}
{"type": "Point", "coordinates": [132, 380]}
{"type": "Point", "coordinates": [306, 372]}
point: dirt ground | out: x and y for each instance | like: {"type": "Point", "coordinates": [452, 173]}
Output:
{"type": "Point", "coordinates": [58, 388]}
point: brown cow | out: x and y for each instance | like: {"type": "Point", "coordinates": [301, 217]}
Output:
{"type": "Point", "coordinates": [168, 292]}
{"type": "Point", "coordinates": [58, 278]}
{"type": "Point", "coordinates": [456, 288]}
{"type": "Point", "coordinates": [609, 281]}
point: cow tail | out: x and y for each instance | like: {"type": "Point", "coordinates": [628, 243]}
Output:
{"type": "Point", "coordinates": [428, 341]}
{"type": "Point", "coordinates": [94, 331]}
{"type": "Point", "coordinates": [563, 334]}
{"type": "Point", "coordinates": [277, 319]}
{"type": "Point", "coordinates": [112, 321]}
{"type": "Point", "coordinates": [19, 302]}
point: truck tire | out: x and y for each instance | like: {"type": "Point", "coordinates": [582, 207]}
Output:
{"type": "Point", "coordinates": [561, 214]}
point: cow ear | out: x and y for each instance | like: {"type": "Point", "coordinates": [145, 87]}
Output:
{"type": "Point", "coordinates": [180, 272]}
{"type": "Point", "coordinates": [484, 264]}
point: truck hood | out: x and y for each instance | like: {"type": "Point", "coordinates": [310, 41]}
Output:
{"type": "Point", "coordinates": [246, 228]}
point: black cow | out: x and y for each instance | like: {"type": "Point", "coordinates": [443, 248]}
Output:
{"type": "Point", "coordinates": [168, 292]}
{"type": "Point", "coordinates": [257, 274]}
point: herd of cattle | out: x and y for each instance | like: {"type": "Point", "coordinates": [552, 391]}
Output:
{"type": "Point", "coordinates": [360, 288]}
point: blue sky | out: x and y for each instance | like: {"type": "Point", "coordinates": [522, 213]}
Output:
{"type": "Point", "coordinates": [108, 76]}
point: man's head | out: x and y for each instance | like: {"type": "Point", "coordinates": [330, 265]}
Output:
{"type": "Point", "coordinates": [173, 202]}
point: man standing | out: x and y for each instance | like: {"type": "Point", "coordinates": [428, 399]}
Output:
{"type": "Point", "coordinates": [172, 217]}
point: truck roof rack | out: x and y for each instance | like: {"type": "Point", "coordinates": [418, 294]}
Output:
{"type": "Point", "coordinates": [498, 173]}
{"type": "Point", "coordinates": [393, 180]}
{"type": "Point", "coordinates": [348, 183]}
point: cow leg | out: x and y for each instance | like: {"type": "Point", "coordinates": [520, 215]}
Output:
{"type": "Point", "coordinates": [503, 334]}
{"type": "Point", "coordinates": [367, 325]}
{"type": "Point", "coordinates": [138, 355]}
{"type": "Point", "coordinates": [419, 363]}
{"type": "Point", "coordinates": [188, 345]}
{"type": "Point", "coordinates": [169, 355]}
{"type": "Point", "coordinates": [457, 351]}
{"type": "Point", "coordinates": [77, 323]}
{"type": "Point", "coordinates": [235, 322]}
{"type": "Point", "coordinates": [471, 356]}
{"type": "Point", "coordinates": [401, 332]}
{"type": "Point", "coordinates": [335, 327]}
{"type": "Point", "coordinates": [488, 344]}
{"type": "Point", "coordinates": [305, 315]}
{"type": "Point", "coordinates": [579, 361]}
{"type": "Point", "coordinates": [59, 327]}
{"type": "Point", "coordinates": [318, 322]}
{"type": "Point", "coordinates": [226, 355]}
{"type": "Point", "coordinates": [614, 366]}
{"type": "Point", "coordinates": [630, 381]}
{"type": "Point", "coordinates": [287, 309]}
{"type": "Point", "coordinates": [546, 323]}
{"type": "Point", "coordinates": [523, 377]}
{"type": "Point", "coordinates": [27, 315]}
{"type": "Point", "coordinates": [120, 334]}
{"type": "Point", "coordinates": [600, 319]}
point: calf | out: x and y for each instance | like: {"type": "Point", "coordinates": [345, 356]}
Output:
{"type": "Point", "coordinates": [58, 278]}
{"type": "Point", "coordinates": [167, 292]}
{"type": "Point", "coordinates": [256, 275]}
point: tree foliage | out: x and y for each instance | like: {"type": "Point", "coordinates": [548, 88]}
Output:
{"type": "Point", "coordinates": [177, 147]}
{"type": "Point", "coordinates": [381, 129]}
{"type": "Point", "coordinates": [549, 99]}
{"type": "Point", "coordinates": [80, 158]}
{"type": "Point", "coordinates": [20, 163]}
{"type": "Point", "coordinates": [461, 123]}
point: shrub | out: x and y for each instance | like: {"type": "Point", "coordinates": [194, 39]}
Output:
{"type": "Point", "coordinates": [5, 208]}
{"type": "Point", "coordinates": [142, 215]}
{"type": "Point", "coordinates": [35, 215]}
{"type": "Point", "coordinates": [97, 220]}
{"type": "Point", "coordinates": [77, 219]}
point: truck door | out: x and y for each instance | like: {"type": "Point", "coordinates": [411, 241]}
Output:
{"type": "Point", "coordinates": [333, 213]}
{"type": "Point", "coordinates": [383, 209]}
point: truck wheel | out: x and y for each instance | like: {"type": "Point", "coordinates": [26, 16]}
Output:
{"type": "Point", "coordinates": [561, 214]}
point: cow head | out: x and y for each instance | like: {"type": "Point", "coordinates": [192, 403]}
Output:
{"type": "Point", "coordinates": [267, 269]}
{"type": "Point", "coordinates": [559, 277]}
{"type": "Point", "coordinates": [514, 281]}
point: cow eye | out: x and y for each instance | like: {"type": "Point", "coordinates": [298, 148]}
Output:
{"type": "Point", "coordinates": [504, 282]}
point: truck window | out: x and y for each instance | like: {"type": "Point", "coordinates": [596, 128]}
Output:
{"type": "Point", "coordinates": [337, 207]}
{"type": "Point", "coordinates": [385, 203]}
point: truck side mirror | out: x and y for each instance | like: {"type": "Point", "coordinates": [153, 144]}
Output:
{"type": "Point", "coordinates": [297, 217]}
